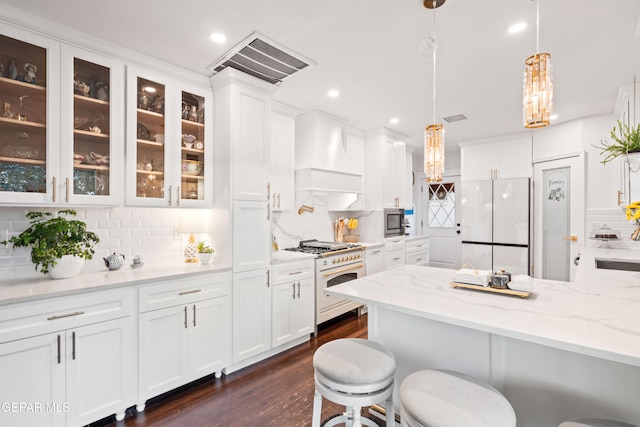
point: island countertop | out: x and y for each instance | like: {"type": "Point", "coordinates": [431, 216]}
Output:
{"type": "Point", "coordinates": [597, 315]}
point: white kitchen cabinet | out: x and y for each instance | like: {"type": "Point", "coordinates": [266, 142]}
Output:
{"type": "Point", "coordinates": [283, 127]}
{"type": "Point", "coordinates": [394, 252]}
{"type": "Point", "coordinates": [385, 168]}
{"type": "Point", "coordinates": [374, 259]}
{"type": "Point", "coordinates": [184, 332]}
{"type": "Point", "coordinates": [92, 114]}
{"type": "Point", "coordinates": [251, 236]}
{"type": "Point", "coordinates": [417, 251]}
{"type": "Point", "coordinates": [243, 118]}
{"type": "Point", "coordinates": [169, 141]}
{"type": "Point", "coordinates": [71, 355]}
{"type": "Point", "coordinates": [251, 313]}
{"type": "Point", "coordinates": [497, 160]}
{"type": "Point", "coordinates": [292, 297]}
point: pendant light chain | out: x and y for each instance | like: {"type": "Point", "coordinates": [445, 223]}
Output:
{"type": "Point", "coordinates": [435, 49]}
{"type": "Point", "coordinates": [537, 26]}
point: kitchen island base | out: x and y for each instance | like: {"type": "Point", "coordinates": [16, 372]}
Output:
{"type": "Point", "coordinates": [545, 385]}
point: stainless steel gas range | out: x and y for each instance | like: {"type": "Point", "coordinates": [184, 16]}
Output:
{"type": "Point", "coordinates": [335, 263]}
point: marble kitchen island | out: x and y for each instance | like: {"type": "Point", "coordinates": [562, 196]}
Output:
{"type": "Point", "coordinates": [570, 349]}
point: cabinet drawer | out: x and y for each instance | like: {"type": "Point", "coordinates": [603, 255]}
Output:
{"type": "Point", "coordinates": [394, 258]}
{"type": "Point", "coordinates": [183, 291]}
{"type": "Point", "coordinates": [418, 258]}
{"type": "Point", "coordinates": [29, 319]}
{"type": "Point", "coordinates": [286, 272]}
{"type": "Point", "coordinates": [417, 245]}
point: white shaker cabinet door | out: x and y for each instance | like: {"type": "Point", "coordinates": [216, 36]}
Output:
{"type": "Point", "coordinates": [209, 338]}
{"type": "Point", "coordinates": [251, 235]}
{"type": "Point", "coordinates": [33, 370]}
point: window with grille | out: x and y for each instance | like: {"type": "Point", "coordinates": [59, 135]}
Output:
{"type": "Point", "coordinates": [442, 205]}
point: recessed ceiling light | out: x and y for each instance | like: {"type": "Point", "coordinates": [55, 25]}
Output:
{"type": "Point", "coordinates": [394, 120]}
{"type": "Point", "coordinates": [218, 38]}
{"type": "Point", "coordinates": [333, 93]}
{"type": "Point", "coordinates": [149, 89]}
{"type": "Point", "coordinates": [516, 28]}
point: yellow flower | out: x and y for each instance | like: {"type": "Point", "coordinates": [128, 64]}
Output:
{"type": "Point", "coordinates": [636, 215]}
{"type": "Point", "coordinates": [628, 214]}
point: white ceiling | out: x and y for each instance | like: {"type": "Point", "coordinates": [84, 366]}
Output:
{"type": "Point", "coordinates": [370, 51]}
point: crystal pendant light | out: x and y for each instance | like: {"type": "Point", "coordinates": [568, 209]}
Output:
{"type": "Point", "coordinates": [434, 134]}
{"type": "Point", "coordinates": [537, 101]}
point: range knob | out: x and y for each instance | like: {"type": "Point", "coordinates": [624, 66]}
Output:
{"type": "Point", "coordinates": [335, 260]}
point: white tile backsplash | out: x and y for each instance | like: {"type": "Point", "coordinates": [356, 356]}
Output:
{"type": "Point", "coordinates": [615, 219]}
{"type": "Point", "coordinates": [149, 232]}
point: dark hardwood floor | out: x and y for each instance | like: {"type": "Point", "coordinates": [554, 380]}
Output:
{"type": "Point", "coordinates": [274, 392]}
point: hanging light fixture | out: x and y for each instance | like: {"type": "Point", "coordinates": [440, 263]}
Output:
{"type": "Point", "coordinates": [538, 88]}
{"type": "Point", "coordinates": [434, 134]}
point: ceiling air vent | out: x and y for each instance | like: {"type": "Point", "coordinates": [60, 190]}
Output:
{"type": "Point", "coordinates": [455, 118]}
{"type": "Point", "coordinates": [262, 58]}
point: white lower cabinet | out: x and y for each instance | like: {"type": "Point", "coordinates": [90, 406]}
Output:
{"type": "Point", "coordinates": [374, 259]}
{"type": "Point", "coordinates": [184, 332]}
{"type": "Point", "coordinates": [292, 298]}
{"type": "Point", "coordinates": [394, 252]}
{"type": "Point", "coordinates": [74, 364]}
{"type": "Point", "coordinates": [417, 251]}
{"type": "Point", "coordinates": [251, 313]}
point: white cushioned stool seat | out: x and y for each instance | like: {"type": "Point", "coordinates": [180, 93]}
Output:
{"type": "Point", "coordinates": [355, 373]}
{"type": "Point", "coordinates": [451, 399]}
{"type": "Point", "coordinates": [594, 422]}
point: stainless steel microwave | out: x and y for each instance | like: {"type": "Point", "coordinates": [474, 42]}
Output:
{"type": "Point", "coordinates": [394, 222]}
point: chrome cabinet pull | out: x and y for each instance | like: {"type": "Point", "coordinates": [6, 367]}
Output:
{"type": "Point", "coordinates": [61, 316]}
{"type": "Point", "coordinates": [298, 290]}
{"type": "Point", "coordinates": [293, 288]}
{"type": "Point", "coordinates": [55, 192]}
{"type": "Point", "coordinates": [59, 349]}
{"type": "Point", "coordinates": [67, 190]}
{"type": "Point", "coordinates": [170, 199]}
{"type": "Point", "coordinates": [274, 199]}
{"type": "Point", "coordinates": [278, 200]}
{"type": "Point", "coordinates": [291, 273]}
{"type": "Point", "coordinates": [73, 346]}
{"type": "Point", "coordinates": [396, 259]}
{"type": "Point", "coordinates": [194, 315]}
{"type": "Point", "coordinates": [268, 284]}
{"type": "Point", "coordinates": [185, 317]}
{"type": "Point", "coordinates": [194, 291]}
{"type": "Point", "coordinates": [178, 195]}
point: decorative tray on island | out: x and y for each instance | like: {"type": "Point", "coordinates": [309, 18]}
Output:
{"type": "Point", "coordinates": [485, 281]}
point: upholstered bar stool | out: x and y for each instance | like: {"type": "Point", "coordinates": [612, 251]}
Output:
{"type": "Point", "coordinates": [451, 399]}
{"type": "Point", "coordinates": [355, 373]}
{"type": "Point", "coordinates": [594, 422]}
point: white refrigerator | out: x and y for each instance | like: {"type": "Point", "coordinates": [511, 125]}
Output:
{"type": "Point", "coordinates": [495, 224]}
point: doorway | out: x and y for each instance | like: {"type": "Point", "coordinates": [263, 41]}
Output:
{"type": "Point", "coordinates": [439, 219]}
{"type": "Point", "coordinates": [559, 204]}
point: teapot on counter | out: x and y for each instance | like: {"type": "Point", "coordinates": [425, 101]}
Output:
{"type": "Point", "coordinates": [114, 261]}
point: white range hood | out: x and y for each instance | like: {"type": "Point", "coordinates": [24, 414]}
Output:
{"type": "Point", "coordinates": [322, 163]}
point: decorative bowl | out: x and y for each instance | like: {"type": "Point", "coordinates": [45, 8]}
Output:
{"type": "Point", "coordinates": [191, 167]}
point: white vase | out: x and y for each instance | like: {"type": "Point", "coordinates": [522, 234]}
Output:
{"type": "Point", "coordinates": [66, 267]}
{"type": "Point", "coordinates": [205, 258]}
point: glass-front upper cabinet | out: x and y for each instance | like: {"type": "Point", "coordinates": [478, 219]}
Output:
{"type": "Point", "coordinates": [167, 150]}
{"type": "Point", "coordinates": [92, 138]}
{"type": "Point", "coordinates": [29, 166]}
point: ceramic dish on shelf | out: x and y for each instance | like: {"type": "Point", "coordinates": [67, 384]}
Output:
{"type": "Point", "coordinates": [143, 132]}
{"type": "Point", "coordinates": [191, 167]}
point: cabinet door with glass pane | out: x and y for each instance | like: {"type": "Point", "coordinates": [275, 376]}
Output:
{"type": "Point", "coordinates": [195, 186]}
{"type": "Point", "coordinates": [29, 132]}
{"type": "Point", "coordinates": [92, 135]}
{"type": "Point", "coordinates": [149, 134]}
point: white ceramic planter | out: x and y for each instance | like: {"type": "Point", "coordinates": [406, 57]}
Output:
{"type": "Point", "coordinates": [68, 266]}
{"type": "Point", "coordinates": [205, 258]}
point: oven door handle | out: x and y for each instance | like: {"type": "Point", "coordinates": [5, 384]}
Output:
{"type": "Point", "coordinates": [342, 270]}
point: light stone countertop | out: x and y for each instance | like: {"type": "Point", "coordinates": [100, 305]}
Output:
{"type": "Point", "coordinates": [597, 315]}
{"type": "Point", "coordinates": [20, 290]}
{"type": "Point", "coordinates": [282, 256]}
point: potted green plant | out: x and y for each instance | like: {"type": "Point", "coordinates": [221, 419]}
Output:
{"type": "Point", "coordinates": [59, 245]}
{"type": "Point", "coordinates": [625, 140]}
{"type": "Point", "coordinates": [205, 252]}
